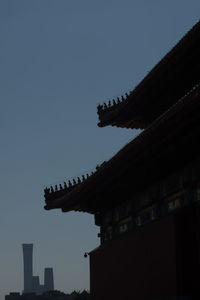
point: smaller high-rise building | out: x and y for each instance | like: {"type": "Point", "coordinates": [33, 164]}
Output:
{"type": "Point", "coordinates": [36, 284]}
{"type": "Point", "coordinates": [48, 279]}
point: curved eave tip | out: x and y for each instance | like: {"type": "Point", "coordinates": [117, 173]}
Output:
{"type": "Point", "coordinates": [46, 207]}
{"type": "Point", "coordinates": [100, 124]}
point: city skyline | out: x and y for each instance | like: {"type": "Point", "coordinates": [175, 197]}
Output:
{"type": "Point", "coordinates": [59, 59]}
{"type": "Point", "coordinates": [32, 283]}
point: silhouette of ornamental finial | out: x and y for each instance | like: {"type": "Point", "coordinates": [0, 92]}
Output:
{"type": "Point", "coordinates": [87, 175]}
{"type": "Point", "coordinates": [83, 178]}
{"type": "Point", "coordinates": [114, 102]}
{"type": "Point", "coordinates": [74, 182]}
{"type": "Point", "coordinates": [56, 188]}
{"type": "Point", "coordinates": [118, 101]}
{"type": "Point", "coordinates": [46, 191]}
{"type": "Point", "coordinates": [123, 99]}
{"type": "Point", "coordinates": [65, 185]}
{"type": "Point", "coordinates": [60, 186]}
{"type": "Point", "coordinates": [79, 181]}
{"type": "Point", "coordinates": [126, 94]}
{"type": "Point", "coordinates": [69, 183]}
{"type": "Point", "coordinates": [51, 189]}
{"type": "Point", "coordinates": [104, 105]}
{"type": "Point", "coordinates": [99, 108]}
{"type": "Point", "coordinates": [109, 103]}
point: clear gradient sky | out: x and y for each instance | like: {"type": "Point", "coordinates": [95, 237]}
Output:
{"type": "Point", "coordinates": [58, 60]}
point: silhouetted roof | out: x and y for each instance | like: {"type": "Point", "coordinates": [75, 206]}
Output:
{"type": "Point", "coordinates": [168, 81]}
{"type": "Point", "coordinates": [168, 143]}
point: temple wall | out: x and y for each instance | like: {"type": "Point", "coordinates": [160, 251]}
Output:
{"type": "Point", "coordinates": [158, 260]}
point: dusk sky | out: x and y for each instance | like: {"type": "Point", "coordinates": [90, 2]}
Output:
{"type": "Point", "coordinates": [59, 59]}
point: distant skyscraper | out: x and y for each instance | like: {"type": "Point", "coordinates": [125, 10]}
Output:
{"type": "Point", "coordinates": [28, 267]}
{"type": "Point", "coordinates": [48, 279]}
{"type": "Point", "coordinates": [32, 283]}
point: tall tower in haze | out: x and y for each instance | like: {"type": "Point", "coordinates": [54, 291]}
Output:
{"type": "Point", "coordinates": [28, 267]}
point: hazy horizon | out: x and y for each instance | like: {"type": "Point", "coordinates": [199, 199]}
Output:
{"type": "Point", "coordinates": [59, 59]}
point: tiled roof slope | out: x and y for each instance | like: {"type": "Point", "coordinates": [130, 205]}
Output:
{"type": "Point", "coordinates": [167, 82]}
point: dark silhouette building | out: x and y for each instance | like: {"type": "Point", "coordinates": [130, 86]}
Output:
{"type": "Point", "coordinates": [28, 267]}
{"type": "Point", "coordinates": [32, 283]}
{"type": "Point", "coordinates": [48, 279]}
{"type": "Point", "coordinates": [146, 198]}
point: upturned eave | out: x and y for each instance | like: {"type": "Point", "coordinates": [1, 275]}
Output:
{"type": "Point", "coordinates": [171, 78]}
{"type": "Point", "coordinates": [171, 141]}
